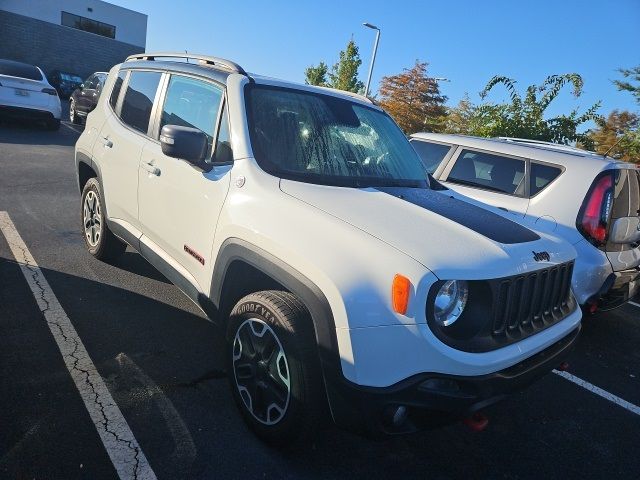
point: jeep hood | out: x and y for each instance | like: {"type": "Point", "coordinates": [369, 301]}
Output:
{"type": "Point", "coordinates": [452, 238]}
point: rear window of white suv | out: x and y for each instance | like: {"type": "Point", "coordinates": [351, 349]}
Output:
{"type": "Point", "coordinates": [541, 176]}
{"type": "Point", "coordinates": [20, 70]}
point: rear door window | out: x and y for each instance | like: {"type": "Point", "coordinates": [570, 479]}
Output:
{"type": "Point", "coordinates": [430, 153]}
{"type": "Point", "coordinates": [489, 171]}
{"type": "Point", "coordinates": [138, 99]}
{"type": "Point", "coordinates": [541, 176]}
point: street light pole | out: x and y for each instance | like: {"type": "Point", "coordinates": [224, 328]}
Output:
{"type": "Point", "coordinates": [373, 57]}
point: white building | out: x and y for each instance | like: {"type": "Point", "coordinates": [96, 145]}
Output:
{"type": "Point", "coordinates": [77, 36]}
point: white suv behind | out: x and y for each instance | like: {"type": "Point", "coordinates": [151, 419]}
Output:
{"type": "Point", "coordinates": [591, 201]}
{"type": "Point", "coordinates": [301, 220]}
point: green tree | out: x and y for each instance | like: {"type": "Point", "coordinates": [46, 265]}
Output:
{"type": "Point", "coordinates": [524, 117]}
{"type": "Point", "coordinates": [316, 75]}
{"type": "Point", "coordinates": [343, 74]}
{"type": "Point", "coordinates": [414, 100]}
{"type": "Point", "coordinates": [618, 135]}
{"type": "Point", "coordinates": [633, 74]}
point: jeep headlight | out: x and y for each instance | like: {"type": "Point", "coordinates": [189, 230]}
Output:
{"type": "Point", "coordinates": [450, 301]}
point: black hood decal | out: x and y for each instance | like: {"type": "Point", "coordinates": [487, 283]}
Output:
{"type": "Point", "coordinates": [480, 220]}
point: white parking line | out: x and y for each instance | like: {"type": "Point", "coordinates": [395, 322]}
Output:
{"type": "Point", "coordinates": [600, 392]}
{"type": "Point", "coordinates": [118, 440]}
{"type": "Point", "coordinates": [634, 304]}
{"type": "Point", "coordinates": [70, 127]}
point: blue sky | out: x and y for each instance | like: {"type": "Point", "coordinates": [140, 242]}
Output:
{"type": "Point", "coordinates": [463, 40]}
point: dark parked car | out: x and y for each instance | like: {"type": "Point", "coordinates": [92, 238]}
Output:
{"type": "Point", "coordinates": [64, 82]}
{"type": "Point", "coordinates": [85, 97]}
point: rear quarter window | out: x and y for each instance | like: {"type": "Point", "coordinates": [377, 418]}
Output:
{"type": "Point", "coordinates": [541, 176]}
{"type": "Point", "coordinates": [489, 171]}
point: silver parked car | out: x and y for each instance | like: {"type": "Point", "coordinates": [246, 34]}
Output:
{"type": "Point", "coordinates": [590, 200]}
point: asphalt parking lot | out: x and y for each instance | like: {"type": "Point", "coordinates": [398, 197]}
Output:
{"type": "Point", "coordinates": [161, 363]}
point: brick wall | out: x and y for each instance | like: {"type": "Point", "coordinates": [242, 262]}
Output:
{"type": "Point", "coordinates": [54, 47]}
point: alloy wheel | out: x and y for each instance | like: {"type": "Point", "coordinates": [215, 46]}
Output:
{"type": "Point", "coordinates": [261, 371]}
{"type": "Point", "coordinates": [92, 217]}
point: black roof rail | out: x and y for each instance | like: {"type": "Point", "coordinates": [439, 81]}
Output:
{"type": "Point", "coordinates": [202, 59]}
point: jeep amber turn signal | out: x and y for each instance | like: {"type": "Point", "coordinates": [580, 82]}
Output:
{"type": "Point", "coordinates": [400, 291]}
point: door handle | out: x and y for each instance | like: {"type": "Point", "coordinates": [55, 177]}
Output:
{"type": "Point", "coordinates": [106, 142]}
{"type": "Point", "coordinates": [150, 168]}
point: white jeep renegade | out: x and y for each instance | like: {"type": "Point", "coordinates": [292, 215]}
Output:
{"type": "Point", "coordinates": [302, 220]}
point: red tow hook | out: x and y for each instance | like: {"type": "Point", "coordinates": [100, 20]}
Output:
{"type": "Point", "coordinates": [477, 422]}
{"type": "Point", "coordinates": [593, 307]}
{"type": "Point", "coordinates": [563, 367]}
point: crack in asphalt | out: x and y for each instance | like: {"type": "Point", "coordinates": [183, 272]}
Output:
{"type": "Point", "coordinates": [35, 275]}
{"type": "Point", "coordinates": [214, 374]}
{"type": "Point", "coordinates": [105, 415]}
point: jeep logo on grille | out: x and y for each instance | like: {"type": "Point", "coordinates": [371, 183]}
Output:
{"type": "Point", "coordinates": [541, 256]}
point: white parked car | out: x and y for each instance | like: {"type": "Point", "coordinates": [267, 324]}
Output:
{"type": "Point", "coordinates": [301, 220]}
{"type": "Point", "coordinates": [591, 201]}
{"type": "Point", "coordinates": [25, 93]}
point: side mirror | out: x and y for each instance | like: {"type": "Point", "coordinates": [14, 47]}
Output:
{"type": "Point", "coordinates": [625, 230]}
{"type": "Point", "coordinates": [185, 143]}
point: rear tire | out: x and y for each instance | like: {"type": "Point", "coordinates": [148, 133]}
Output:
{"type": "Point", "coordinates": [274, 368]}
{"type": "Point", "coordinates": [99, 240]}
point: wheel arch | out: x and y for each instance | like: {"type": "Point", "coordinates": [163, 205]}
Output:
{"type": "Point", "coordinates": [86, 168]}
{"type": "Point", "coordinates": [242, 268]}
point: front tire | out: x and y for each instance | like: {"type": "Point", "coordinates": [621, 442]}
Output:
{"type": "Point", "coordinates": [274, 368]}
{"type": "Point", "coordinates": [99, 240]}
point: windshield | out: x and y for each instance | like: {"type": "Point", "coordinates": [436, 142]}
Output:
{"type": "Point", "coordinates": [319, 138]}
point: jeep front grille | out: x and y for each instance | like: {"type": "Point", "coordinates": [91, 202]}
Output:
{"type": "Point", "coordinates": [525, 304]}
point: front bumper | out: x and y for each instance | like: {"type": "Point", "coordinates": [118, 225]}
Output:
{"type": "Point", "coordinates": [433, 399]}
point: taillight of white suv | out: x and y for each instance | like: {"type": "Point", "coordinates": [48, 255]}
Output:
{"type": "Point", "coordinates": [595, 213]}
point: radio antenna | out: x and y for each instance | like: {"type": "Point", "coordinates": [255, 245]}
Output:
{"type": "Point", "coordinates": [614, 145]}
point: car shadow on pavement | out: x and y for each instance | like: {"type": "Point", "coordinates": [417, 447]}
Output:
{"type": "Point", "coordinates": [32, 133]}
{"type": "Point", "coordinates": [133, 262]}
